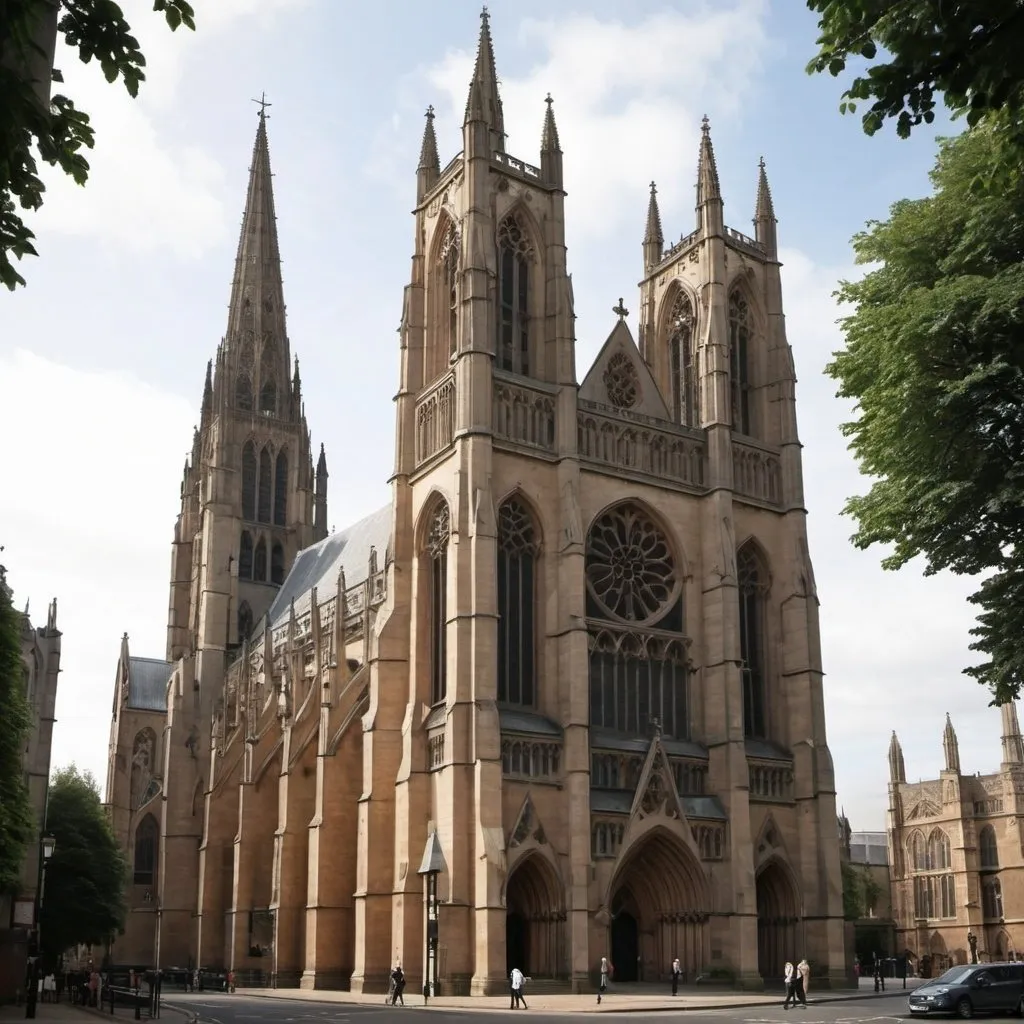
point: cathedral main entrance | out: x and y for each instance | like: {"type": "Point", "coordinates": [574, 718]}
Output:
{"type": "Point", "coordinates": [534, 920]}
{"type": "Point", "coordinates": [658, 911]}
{"type": "Point", "coordinates": [778, 922]}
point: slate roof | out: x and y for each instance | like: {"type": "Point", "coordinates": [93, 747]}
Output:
{"type": "Point", "coordinates": [318, 565]}
{"type": "Point", "coordinates": [147, 683]}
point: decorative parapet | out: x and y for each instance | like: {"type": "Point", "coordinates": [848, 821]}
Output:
{"type": "Point", "coordinates": [523, 414]}
{"type": "Point", "coordinates": [435, 419]}
{"type": "Point", "coordinates": [771, 781]}
{"type": "Point", "coordinates": [757, 472]}
{"type": "Point", "coordinates": [531, 759]}
{"type": "Point", "coordinates": [738, 240]}
{"type": "Point", "coordinates": [518, 167]}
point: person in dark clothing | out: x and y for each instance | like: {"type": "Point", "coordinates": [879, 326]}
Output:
{"type": "Point", "coordinates": [398, 981]}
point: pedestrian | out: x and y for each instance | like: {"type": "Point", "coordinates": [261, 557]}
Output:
{"type": "Point", "coordinates": [398, 983]}
{"type": "Point", "coordinates": [516, 979]}
{"type": "Point", "coordinates": [607, 971]}
{"type": "Point", "coordinates": [789, 976]}
{"type": "Point", "coordinates": [803, 981]}
{"type": "Point", "coordinates": [231, 981]}
{"type": "Point", "coordinates": [677, 969]}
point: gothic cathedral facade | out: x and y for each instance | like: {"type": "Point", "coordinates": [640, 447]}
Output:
{"type": "Point", "coordinates": [574, 663]}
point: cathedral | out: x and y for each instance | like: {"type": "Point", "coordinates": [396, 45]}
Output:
{"type": "Point", "coordinates": [568, 681]}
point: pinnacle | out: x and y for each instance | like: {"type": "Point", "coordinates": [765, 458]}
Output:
{"type": "Point", "coordinates": [653, 232]}
{"type": "Point", "coordinates": [549, 142]}
{"type": "Point", "coordinates": [429, 160]}
{"type": "Point", "coordinates": [764, 209]}
{"type": "Point", "coordinates": [708, 188]}
{"type": "Point", "coordinates": [484, 102]}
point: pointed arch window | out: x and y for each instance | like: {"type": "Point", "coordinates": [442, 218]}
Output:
{"type": "Point", "coordinates": [682, 362]}
{"type": "Point", "coordinates": [244, 621]}
{"type": "Point", "coordinates": [739, 363]}
{"type": "Point", "coordinates": [265, 486]}
{"type": "Point", "coordinates": [259, 570]}
{"type": "Point", "coordinates": [268, 397]}
{"type": "Point", "coordinates": [939, 851]}
{"type": "Point", "coordinates": [147, 837]}
{"type": "Point", "coordinates": [752, 581]}
{"type": "Point", "coordinates": [243, 392]}
{"type": "Point", "coordinates": [517, 590]}
{"type": "Point", "coordinates": [437, 611]}
{"type": "Point", "coordinates": [277, 564]}
{"type": "Point", "coordinates": [249, 481]}
{"type": "Point", "coordinates": [514, 257]}
{"type": "Point", "coordinates": [988, 847]}
{"type": "Point", "coordinates": [245, 556]}
{"type": "Point", "coordinates": [281, 489]}
{"type": "Point", "coordinates": [449, 258]}
{"type": "Point", "coordinates": [991, 899]}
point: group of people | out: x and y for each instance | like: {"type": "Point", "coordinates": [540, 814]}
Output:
{"type": "Point", "coordinates": [798, 981]}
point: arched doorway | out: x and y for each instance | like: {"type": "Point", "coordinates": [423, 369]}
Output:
{"type": "Point", "coordinates": [534, 920]}
{"type": "Point", "coordinates": [658, 910]}
{"type": "Point", "coordinates": [778, 921]}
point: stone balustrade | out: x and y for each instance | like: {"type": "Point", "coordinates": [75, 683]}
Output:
{"type": "Point", "coordinates": [435, 419]}
{"type": "Point", "coordinates": [519, 167]}
{"type": "Point", "coordinates": [771, 781]}
{"type": "Point", "coordinates": [756, 472]}
{"type": "Point", "coordinates": [523, 414]}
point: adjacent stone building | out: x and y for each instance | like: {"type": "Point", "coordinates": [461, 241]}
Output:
{"type": "Point", "coordinates": [955, 849]}
{"type": "Point", "coordinates": [40, 660]}
{"type": "Point", "coordinates": [577, 653]}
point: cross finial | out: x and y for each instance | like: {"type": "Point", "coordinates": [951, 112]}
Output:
{"type": "Point", "coordinates": [620, 310]}
{"type": "Point", "coordinates": [548, 100]}
{"type": "Point", "coordinates": [705, 124]}
{"type": "Point", "coordinates": [430, 112]}
{"type": "Point", "coordinates": [484, 13]}
{"type": "Point", "coordinates": [760, 163]}
{"type": "Point", "coordinates": [656, 727]}
{"type": "Point", "coordinates": [654, 189]}
{"type": "Point", "coordinates": [263, 104]}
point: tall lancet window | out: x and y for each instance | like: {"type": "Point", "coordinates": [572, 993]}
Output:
{"type": "Point", "coordinates": [259, 570]}
{"type": "Point", "coordinates": [245, 556]}
{"type": "Point", "coordinates": [265, 486]}
{"type": "Point", "coordinates": [244, 622]}
{"type": "Point", "coordinates": [243, 391]}
{"type": "Point", "coordinates": [147, 838]}
{"type": "Point", "coordinates": [682, 362]}
{"type": "Point", "coordinates": [739, 363]}
{"type": "Point", "coordinates": [514, 257]}
{"type": "Point", "coordinates": [281, 488]}
{"type": "Point", "coordinates": [517, 591]}
{"type": "Point", "coordinates": [437, 591]}
{"type": "Point", "coordinates": [752, 580]}
{"type": "Point", "coordinates": [277, 564]}
{"type": "Point", "coordinates": [449, 317]}
{"type": "Point", "coordinates": [268, 397]}
{"type": "Point", "coordinates": [249, 481]}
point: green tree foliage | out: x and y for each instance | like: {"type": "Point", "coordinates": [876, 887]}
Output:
{"type": "Point", "coordinates": [16, 819]}
{"type": "Point", "coordinates": [934, 358]}
{"type": "Point", "coordinates": [83, 900]}
{"type": "Point", "coordinates": [98, 30]}
{"type": "Point", "coordinates": [967, 50]}
{"type": "Point", "coordinates": [853, 892]}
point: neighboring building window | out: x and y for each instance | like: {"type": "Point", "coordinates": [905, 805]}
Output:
{"type": "Point", "coordinates": [147, 835]}
{"type": "Point", "coordinates": [245, 556]}
{"type": "Point", "coordinates": [739, 363]}
{"type": "Point", "coordinates": [259, 571]}
{"type": "Point", "coordinates": [265, 486]}
{"type": "Point", "coordinates": [517, 602]}
{"type": "Point", "coordinates": [992, 899]}
{"type": "Point", "coordinates": [268, 397]}
{"type": "Point", "coordinates": [437, 583]}
{"type": "Point", "coordinates": [277, 564]}
{"type": "Point", "coordinates": [988, 847]}
{"type": "Point", "coordinates": [682, 362]}
{"type": "Point", "coordinates": [281, 489]}
{"type": "Point", "coordinates": [244, 621]}
{"type": "Point", "coordinates": [249, 481]}
{"type": "Point", "coordinates": [514, 257]}
{"type": "Point", "coordinates": [752, 580]}
{"type": "Point", "coordinates": [243, 392]}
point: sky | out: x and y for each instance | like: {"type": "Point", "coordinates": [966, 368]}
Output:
{"type": "Point", "coordinates": [102, 356]}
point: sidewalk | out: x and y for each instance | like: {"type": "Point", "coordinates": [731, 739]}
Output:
{"type": "Point", "coordinates": [625, 999]}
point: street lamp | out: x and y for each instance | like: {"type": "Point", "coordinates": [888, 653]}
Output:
{"type": "Point", "coordinates": [47, 844]}
{"type": "Point", "coordinates": [431, 866]}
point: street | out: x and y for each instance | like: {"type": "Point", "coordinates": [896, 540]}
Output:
{"type": "Point", "coordinates": [242, 1009]}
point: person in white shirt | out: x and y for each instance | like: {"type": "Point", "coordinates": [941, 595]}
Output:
{"type": "Point", "coordinates": [517, 980]}
{"type": "Point", "coordinates": [677, 970]}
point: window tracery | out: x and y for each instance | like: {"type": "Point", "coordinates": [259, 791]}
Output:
{"type": "Point", "coordinates": [682, 362]}
{"type": "Point", "coordinates": [752, 584]}
{"type": "Point", "coordinates": [259, 571]}
{"type": "Point", "coordinates": [449, 259]}
{"type": "Point", "coordinates": [265, 486]}
{"type": "Point", "coordinates": [147, 835]}
{"type": "Point", "coordinates": [243, 392]}
{"type": "Point", "coordinates": [530, 759]}
{"type": "Point", "coordinates": [281, 489]}
{"type": "Point", "coordinates": [739, 363]}
{"type": "Point", "coordinates": [515, 254]}
{"type": "Point", "coordinates": [268, 397]}
{"type": "Point", "coordinates": [143, 755]}
{"type": "Point", "coordinates": [991, 899]}
{"type": "Point", "coordinates": [245, 556]}
{"type": "Point", "coordinates": [621, 381]}
{"type": "Point", "coordinates": [249, 481]}
{"type": "Point", "coordinates": [245, 621]}
{"type": "Point", "coordinates": [517, 593]}
{"type": "Point", "coordinates": [988, 847]}
{"type": "Point", "coordinates": [437, 571]}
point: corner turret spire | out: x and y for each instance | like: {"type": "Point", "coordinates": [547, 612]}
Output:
{"type": "Point", "coordinates": [207, 412]}
{"type": "Point", "coordinates": [484, 102]}
{"type": "Point", "coordinates": [764, 214]}
{"type": "Point", "coordinates": [320, 498]}
{"type": "Point", "coordinates": [1013, 746]}
{"type": "Point", "coordinates": [950, 746]}
{"type": "Point", "coordinates": [710, 216]}
{"type": "Point", "coordinates": [550, 149]}
{"type": "Point", "coordinates": [897, 769]}
{"type": "Point", "coordinates": [654, 237]}
{"type": "Point", "coordinates": [429, 167]}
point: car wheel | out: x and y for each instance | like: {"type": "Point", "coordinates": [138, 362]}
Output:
{"type": "Point", "coordinates": [964, 1008]}
{"type": "Point", "coordinates": [1020, 1008]}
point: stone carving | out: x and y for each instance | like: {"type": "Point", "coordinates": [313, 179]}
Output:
{"type": "Point", "coordinates": [573, 518]}
{"type": "Point", "coordinates": [728, 536]}
{"type": "Point", "coordinates": [621, 381]}
{"type": "Point", "coordinates": [526, 827]}
{"type": "Point", "coordinates": [192, 742]}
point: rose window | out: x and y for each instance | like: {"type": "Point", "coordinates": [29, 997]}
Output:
{"type": "Point", "coordinates": [630, 569]}
{"type": "Point", "coordinates": [621, 381]}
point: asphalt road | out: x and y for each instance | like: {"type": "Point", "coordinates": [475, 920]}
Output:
{"type": "Point", "coordinates": [218, 1009]}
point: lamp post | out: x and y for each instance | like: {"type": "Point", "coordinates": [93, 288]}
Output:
{"type": "Point", "coordinates": [47, 844]}
{"type": "Point", "coordinates": [431, 866]}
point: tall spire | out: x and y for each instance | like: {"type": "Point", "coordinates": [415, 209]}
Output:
{"type": "Point", "coordinates": [207, 411]}
{"type": "Point", "coordinates": [764, 213]}
{"type": "Point", "coordinates": [550, 149]}
{"type": "Point", "coordinates": [320, 498]}
{"type": "Point", "coordinates": [710, 216]}
{"type": "Point", "coordinates": [654, 237]}
{"type": "Point", "coordinates": [950, 746]}
{"type": "Point", "coordinates": [1013, 746]}
{"type": "Point", "coordinates": [897, 770]}
{"type": "Point", "coordinates": [429, 167]}
{"type": "Point", "coordinates": [484, 103]}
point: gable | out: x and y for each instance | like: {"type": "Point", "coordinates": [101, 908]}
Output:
{"type": "Point", "coordinates": [923, 809]}
{"type": "Point", "coordinates": [619, 378]}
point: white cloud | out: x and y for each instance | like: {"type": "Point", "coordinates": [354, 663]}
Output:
{"type": "Point", "coordinates": [84, 513]}
{"type": "Point", "coordinates": [147, 191]}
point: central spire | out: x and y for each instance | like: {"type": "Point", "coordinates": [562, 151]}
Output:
{"type": "Point", "coordinates": [484, 103]}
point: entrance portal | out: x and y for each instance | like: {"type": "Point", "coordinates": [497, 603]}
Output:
{"type": "Point", "coordinates": [625, 946]}
{"type": "Point", "coordinates": [778, 922]}
{"type": "Point", "coordinates": [534, 920]}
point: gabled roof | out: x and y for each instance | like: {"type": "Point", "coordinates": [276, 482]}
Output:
{"type": "Point", "coordinates": [621, 348]}
{"type": "Point", "coordinates": [147, 684]}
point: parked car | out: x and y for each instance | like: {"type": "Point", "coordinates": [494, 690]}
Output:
{"type": "Point", "coordinates": [971, 989]}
